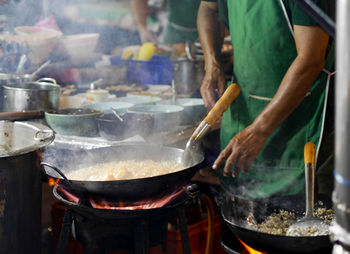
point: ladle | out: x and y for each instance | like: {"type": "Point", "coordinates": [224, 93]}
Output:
{"type": "Point", "coordinates": [208, 122]}
{"type": "Point", "coordinates": [41, 67]}
{"type": "Point", "coordinates": [309, 224]}
{"type": "Point", "coordinates": [116, 114]}
{"type": "Point", "coordinates": [21, 63]}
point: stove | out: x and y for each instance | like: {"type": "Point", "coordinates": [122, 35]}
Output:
{"type": "Point", "coordinates": [104, 225]}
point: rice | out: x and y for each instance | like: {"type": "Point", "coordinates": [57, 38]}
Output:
{"type": "Point", "coordinates": [124, 170]}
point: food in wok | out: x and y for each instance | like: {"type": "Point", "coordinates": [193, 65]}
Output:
{"type": "Point", "coordinates": [279, 222]}
{"type": "Point", "coordinates": [124, 170]}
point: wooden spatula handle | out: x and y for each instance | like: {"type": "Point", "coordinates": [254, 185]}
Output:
{"type": "Point", "coordinates": [222, 104]}
{"type": "Point", "coordinates": [309, 153]}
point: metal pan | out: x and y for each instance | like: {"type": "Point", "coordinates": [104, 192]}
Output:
{"type": "Point", "coordinates": [134, 189]}
{"type": "Point", "coordinates": [235, 213]}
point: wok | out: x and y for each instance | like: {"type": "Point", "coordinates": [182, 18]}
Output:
{"type": "Point", "coordinates": [235, 212]}
{"type": "Point", "coordinates": [133, 189]}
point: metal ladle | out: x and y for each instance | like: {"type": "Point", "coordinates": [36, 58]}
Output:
{"type": "Point", "coordinates": [230, 94]}
{"type": "Point", "coordinates": [116, 114]}
{"type": "Point", "coordinates": [21, 63]}
{"type": "Point", "coordinates": [309, 224]}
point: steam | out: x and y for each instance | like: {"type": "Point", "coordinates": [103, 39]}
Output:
{"type": "Point", "coordinates": [68, 159]}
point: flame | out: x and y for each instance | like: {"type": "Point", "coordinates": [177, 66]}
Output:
{"type": "Point", "coordinates": [150, 203]}
{"type": "Point", "coordinates": [250, 249]}
{"type": "Point", "coordinates": [70, 196]}
{"type": "Point", "coordinates": [53, 181]}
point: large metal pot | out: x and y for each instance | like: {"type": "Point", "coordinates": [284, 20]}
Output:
{"type": "Point", "coordinates": [20, 186]}
{"type": "Point", "coordinates": [188, 76]}
{"type": "Point", "coordinates": [39, 95]}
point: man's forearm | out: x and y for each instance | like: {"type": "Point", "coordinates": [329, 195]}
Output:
{"type": "Point", "coordinates": [139, 9]}
{"type": "Point", "coordinates": [295, 84]}
{"type": "Point", "coordinates": [211, 32]}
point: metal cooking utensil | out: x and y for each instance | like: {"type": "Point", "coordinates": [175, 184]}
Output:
{"type": "Point", "coordinates": [21, 115]}
{"type": "Point", "coordinates": [116, 114]}
{"type": "Point", "coordinates": [208, 122]}
{"type": "Point", "coordinates": [21, 63]}
{"type": "Point", "coordinates": [309, 223]}
{"type": "Point", "coordinates": [41, 67]}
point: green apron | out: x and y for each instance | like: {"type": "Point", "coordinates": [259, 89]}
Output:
{"type": "Point", "coordinates": [182, 21]}
{"type": "Point", "coordinates": [264, 49]}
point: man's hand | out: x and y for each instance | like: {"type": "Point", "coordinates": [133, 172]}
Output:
{"type": "Point", "coordinates": [211, 34]}
{"type": "Point", "coordinates": [241, 151]}
{"type": "Point", "coordinates": [311, 43]}
{"type": "Point", "coordinates": [147, 36]}
{"type": "Point", "coordinates": [213, 81]}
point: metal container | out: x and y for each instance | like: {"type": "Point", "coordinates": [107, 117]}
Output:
{"type": "Point", "coordinates": [188, 76]}
{"type": "Point", "coordinates": [39, 95]}
{"type": "Point", "coordinates": [20, 186]}
{"type": "Point", "coordinates": [9, 79]}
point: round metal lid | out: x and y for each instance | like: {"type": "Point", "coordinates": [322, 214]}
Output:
{"type": "Point", "coordinates": [17, 138]}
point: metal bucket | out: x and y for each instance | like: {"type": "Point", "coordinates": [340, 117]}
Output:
{"type": "Point", "coordinates": [20, 186]}
{"type": "Point", "coordinates": [188, 76]}
{"type": "Point", "coordinates": [39, 95]}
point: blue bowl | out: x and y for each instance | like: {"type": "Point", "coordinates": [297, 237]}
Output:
{"type": "Point", "coordinates": [166, 117]}
{"type": "Point", "coordinates": [137, 100]}
{"type": "Point", "coordinates": [105, 107]}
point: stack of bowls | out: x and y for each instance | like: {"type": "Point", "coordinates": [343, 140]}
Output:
{"type": "Point", "coordinates": [106, 107]}
{"type": "Point", "coordinates": [140, 100]}
{"type": "Point", "coordinates": [194, 109]}
{"type": "Point", "coordinates": [166, 117]}
{"type": "Point", "coordinates": [112, 128]}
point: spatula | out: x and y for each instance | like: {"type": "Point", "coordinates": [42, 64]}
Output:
{"type": "Point", "coordinates": [208, 122]}
{"type": "Point", "coordinates": [309, 225]}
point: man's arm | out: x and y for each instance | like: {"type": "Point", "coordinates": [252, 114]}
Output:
{"type": "Point", "coordinates": [139, 9]}
{"type": "Point", "coordinates": [311, 43]}
{"type": "Point", "coordinates": [211, 33]}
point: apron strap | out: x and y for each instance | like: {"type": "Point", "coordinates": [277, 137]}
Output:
{"type": "Point", "coordinates": [285, 12]}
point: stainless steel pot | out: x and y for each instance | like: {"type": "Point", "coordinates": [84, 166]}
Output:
{"type": "Point", "coordinates": [42, 94]}
{"type": "Point", "coordinates": [20, 186]}
{"type": "Point", "coordinates": [188, 76]}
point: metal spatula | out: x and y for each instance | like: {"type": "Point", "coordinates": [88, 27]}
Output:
{"type": "Point", "coordinates": [203, 128]}
{"type": "Point", "coordinates": [309, 225]}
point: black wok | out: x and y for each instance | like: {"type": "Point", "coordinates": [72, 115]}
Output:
{"type": "Point", "coordinates": [235, 212]}
{"type": "Point", "coordinates": [134, 189]}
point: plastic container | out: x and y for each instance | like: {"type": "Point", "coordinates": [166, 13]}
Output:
{"type": "Point", "coordinates": [158, 70]}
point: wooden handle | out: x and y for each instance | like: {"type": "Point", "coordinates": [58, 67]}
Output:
{"type": "Point", "coordinates": [222, 104]}
{"type": "Point", "coordinates": [21, 115]}
{"type": "Point", "coordinates": [309, 153]}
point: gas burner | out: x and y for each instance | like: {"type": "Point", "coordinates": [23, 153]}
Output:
{"type": "Point", "coordinates": [106, 228]}
{"type": "Point", "coordinates": [106, 203]}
